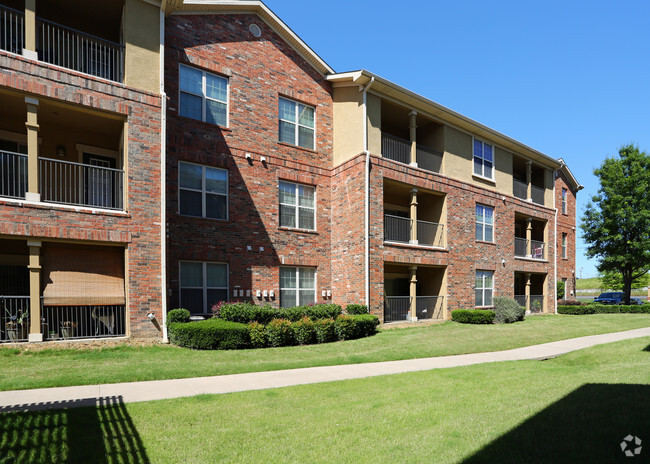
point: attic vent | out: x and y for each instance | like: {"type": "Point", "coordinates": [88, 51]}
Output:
{"type": "Point", "coordinates": [255, 30]}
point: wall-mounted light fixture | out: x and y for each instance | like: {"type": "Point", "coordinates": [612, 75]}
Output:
{"type": "Point", "coordinates": [60, 151]}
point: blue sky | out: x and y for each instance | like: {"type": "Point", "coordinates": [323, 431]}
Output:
{"type": "Point", "coordinates": [568, 78]}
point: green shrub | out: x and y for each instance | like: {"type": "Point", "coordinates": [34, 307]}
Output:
{"type": "Point", "coordinates": [303, 331]}
{"type": "Point", "coordinates": [325, 331]}
{"type": "Point", "coordinates": [602, 309]}
{"type": "Point", "coordinates": [365, 325]}
{"type": "Point", "coordinates": [249, 312]}
{"type": "Point", "coordinates": [356, 309]}
{"type": "Point", "coordinates": [279, 332]}
{"type": "Point", "coordinates": [211, 334]}
{"type": "Point", "coordinates": [507, 310]}
{"type": "Point", "coordinates": [345, 327]}
{"type": "Point", "coordinates": [560, 290]}
{"type": "Point", "coordinates": [473, 316]}
{"type": "Point", "coordinates": [238, 312]}
{"type": "Point", "coordinates": [178, 315]}
{"type": "Point", "coordinates": [257, 334]}
{"type": "Point", "coordinates": [321, 311]}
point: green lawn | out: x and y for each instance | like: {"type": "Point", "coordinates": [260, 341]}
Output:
{"type": "Point", "coordinates": [575, 408]}
{"type": "Point", "coordinates": [591, 282]}
{"type": "Point", "coordinates": [64, 367]}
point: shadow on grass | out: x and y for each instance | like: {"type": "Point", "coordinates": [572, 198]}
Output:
{"type": "Point", "coordinates": [588, 425]}
{"type": "Point", "coordinates": [102, 433]}
{"type": "Point", "coordinates": [647, 348]}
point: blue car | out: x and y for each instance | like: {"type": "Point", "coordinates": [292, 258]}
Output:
{"type": "Point", "coordinates": [610, 298]}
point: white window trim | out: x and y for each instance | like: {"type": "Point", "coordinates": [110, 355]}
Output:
{"type": "Point", "coordinates": [297, 289]}
{"type": "Point", "coordinates": [474, 155]}
{"type": "Point", "coordinates": [205, 280]}
{"type": "Point", "coordinates": [203, 192]}
{"type": "Point", "coordinates": [204, 96]}
{"type": "Point", "coordinates": [483, 288]}
{"type": "Point", "coordinates": [564, 245]}
{"type": "Point", "coordinates": [297, 206]}
{"type": "Point", "coordinates": [297, 124]}
{"type": "Point", "coordinates": [484, 224]}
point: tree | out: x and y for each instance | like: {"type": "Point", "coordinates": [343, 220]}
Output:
{"type": "Point", "coordinates": [616, 222]}
{"type": "Point", "coordinates": [614, 280]}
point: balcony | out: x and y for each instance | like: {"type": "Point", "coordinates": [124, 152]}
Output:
{"type": "Point", "coordinates": [14, 317]}
{"type": "Point", "coordinates": [398, 149]}
{"type": "Point", "coordinates": [537, 248]}
{"type": "Point", "coordinates": [397, 308]}
{"type": "Point", "coordinates": [63, 182]}
{"type": "Point", "coordinates": [537, 194]}
{"type": "Point", "coordinates": [63, 46]}
{"type": "Point", "coordinates": [519, 189]}
{"type": "Point", "coordinates": [399, 229]}
{"type": "Point", "coordinates": [534, 285]}
{"type": "Point", "coordinates": [90, 321]}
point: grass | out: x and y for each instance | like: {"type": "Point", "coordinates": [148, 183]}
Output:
{"type": "Point", "coordinates": [65, 367]}
{"type": "Point", "coordinates": [586, 284]}
{"type": "Point", "coordinates": [575, 408]}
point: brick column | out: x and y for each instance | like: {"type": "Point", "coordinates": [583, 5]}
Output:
{"type": "Point", "coordinates": [413, 214]}
{"type": "Point", "coordinates": [35, 334]}
{"type": "Point", "coordinates": [30, 30]}
{"type": "Point", "coordinates": [32, 193]}
{"type": "Point", "coordinates": [412, 132]}
{"type": "Point", "coordinates": [529, 178]}
{"type": "Point", "coordinates": [413, 293]}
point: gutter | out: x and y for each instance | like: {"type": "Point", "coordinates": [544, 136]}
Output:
{"type": "Point", "coordinates": [367, 192]}
{"type": "Point", "coordinates": [555, 173]}
{"type": "Point", "coordinates": [163, 173]}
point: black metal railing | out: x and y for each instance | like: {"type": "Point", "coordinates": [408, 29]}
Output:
{"type": "Point", "coordinates": [536, 303]}
{"type": "Point", "coordinates": [12, 30]}
{"type": "Point", "coordinates": [397, 308]}
{"type": "Point", "coordinates": [429, 307]}
{"type": "Point", "coordinates": [395, 148]}
{"type": "Point", "coordinates": [537, 194]}
{"type": "Point", "coordinates": [428, 159]}
{"type": "Point", "coordinates": [13, 174]}
{"type": "Point", "coordinates": [63, 46]}
{"type": "Point", "coordinates": [519, 189]}
{"type": "Point", "coordinates": [430, 234]}
{"type": "Point", "coordinates": [14, 317]}
{"type": "Point", "coordinates": [521, 300]}
{"type": "Point", "coordinates": [96, 321]}
{"type": "Point", "coordinates": [397, 229]}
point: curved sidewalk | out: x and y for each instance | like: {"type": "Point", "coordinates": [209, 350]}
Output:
{"type": "Point", "coordinates": [92, 395]}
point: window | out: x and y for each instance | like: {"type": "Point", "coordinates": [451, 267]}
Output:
{"type": "Point", "coordinates": [202, 285]}
{"type": "Point", "coordinates": [203, 96]}
{"type": "Point", "coordinates": [297, 286]}
{"type": "Point", "coordinates": [484, 288]}
{"type": "Point", "coordinates": [564, 201]}
{"type": "Point", "coordinates": [297, 206]}
{"type": "Point", "coordinates": [484, 223]}
{"type": "Point", "coordinates": [564, 240]}
{"type": "Point", "coordinates": [203, 191]}
{"type": "Point", "coordinates": [483, 159]}
{"type": "Point", "coordinates": [296, 123]}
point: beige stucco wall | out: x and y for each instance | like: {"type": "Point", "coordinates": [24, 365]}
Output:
{"type": "Point", "coordinates": [374, 124]}
{"type": "Point", "coordinates": [141, 30]}
{"type": "Point", "coordinates": [348, 123]}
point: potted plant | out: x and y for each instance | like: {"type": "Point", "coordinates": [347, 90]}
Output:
{"type": "Point", "coordinates": [16, 326]}
{"type": "Point", "coordinates": [67, 329]}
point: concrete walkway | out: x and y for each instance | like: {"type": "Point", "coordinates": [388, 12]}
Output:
{"type": "Point", "coordinates": [91, 395]}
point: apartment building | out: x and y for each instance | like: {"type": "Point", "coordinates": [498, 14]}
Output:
{"type": "Point", "coordinates": [80, 161]}
{"type": "Point", "coordinates": [167, 154]}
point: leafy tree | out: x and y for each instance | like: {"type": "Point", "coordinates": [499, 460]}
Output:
{"type": "Point", "coordinates": [614, 280]}
{"type": "Point", "coordinates": [616, 222]}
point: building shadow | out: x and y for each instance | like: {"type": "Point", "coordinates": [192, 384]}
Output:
{"type": "Point", "coordinates": [588, 425]}
{"type": "Point", "coordinates": [97, 430]}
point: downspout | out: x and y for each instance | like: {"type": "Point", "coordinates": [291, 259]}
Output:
{"type": "Point", "coordinates": [163, 173]}
{"type": "Point", "coordinates": [367, 192]}
{"type": "Point", "coordinates": [555, 237]}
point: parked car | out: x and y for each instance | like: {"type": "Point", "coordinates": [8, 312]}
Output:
{"type": "Point", "coordinates": [637, 301]}
{"type": "Point", "coordinates": [610, 298]}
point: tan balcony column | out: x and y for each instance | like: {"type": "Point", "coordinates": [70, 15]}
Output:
{"type": "Point", "coordinates": [528, 292]}
{"type": "Point", "coordinates": [413, 293]}
{"type": "Point", "coordinates": [32, 193]}
{"type": "Point", "coordinates": [412, 133]}
{"type": "Point", "coordinates": [30, 30]}
{"type": "Point", "coordinates": [35, 333]}
{"type": "Point", "coordinates": [529, 178]}
{"type": "Point", "coordinates": [413, 214]}
{"type": "Point", "coordinates": [529, 238]}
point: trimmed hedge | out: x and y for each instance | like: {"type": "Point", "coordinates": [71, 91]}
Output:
{"type": "Point", "coordinates": [603, 309]}
{"type": "Point", "coordinates": [365, 325]}
{"type": "Point", "coordinates": [325, 331]}
{"type": "Point", "coordinates": [507, 310]}
{"type": "Point", "coordinates": [257, 333]}
{"type": "Point", "coordinates": [248, 312]}
{"type": "Point", "coordinates": [473, 316]}
{"type": "Point", "coordinates": [356, 309]}
{"type": "Point", "coordinates": [303, 331]}
{"type": "Point", "coordinates": [279, 332]}
{"type": "Point", "coordinates": [178, 315]}
{"type": "Point", "coordinates": [211, 334]}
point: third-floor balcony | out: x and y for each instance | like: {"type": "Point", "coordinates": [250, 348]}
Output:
{"type": "Point", "coordinates": [521, 188]}
{"type": "Point", "coordinates": [398, 149]}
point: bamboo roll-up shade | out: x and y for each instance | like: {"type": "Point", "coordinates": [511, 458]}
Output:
{"type": "Point", "coordinates": [82, 275]}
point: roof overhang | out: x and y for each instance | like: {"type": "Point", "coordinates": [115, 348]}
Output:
{"type": "Point", "coordinates": [573, 182]}
{"type": "Point", "coordinates": [428, 107]}
{"type": "Point", "coordinates": [206, 7]}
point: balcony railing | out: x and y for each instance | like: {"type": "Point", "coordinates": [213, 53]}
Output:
{"type": "Point", "coordinates": [537, 194]}
{"type": "Point", "coordinates": [14, 314]}
{"type": "Point", "coordinates": [73, 49]}
{"type": "Point", "coordinates": [67, 322]}
{"type": "Point", "coordinates": [398, 229]}
{"type": "Point", "coordinates": [536, 303]}
{"type": "Point", "coordinates": [13, 174]}
{"type": "Point", "coordinates": [431, 234]}
{"type": "Point", "coordinates": [12, 30]}
{"type": "Point", "coordinates": [429, 307]}
{"type": "Point", "coordinates": [396, 308]}
{"type": "Point", "coordinates": [521, 300]}
{"type": "Point", "coordinates": [428, 159]}
{"type": "Point", "coordinates": [80, 184]}
{"type": "Point", "coordinates": [395, 148]}
{"type": "Point", "coordinates": [519, 189]}
{"type": "Point", "coordinates": [536, 248]}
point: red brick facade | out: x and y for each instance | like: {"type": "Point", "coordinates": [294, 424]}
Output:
{"type": "Point", "coordinates": [566, 227]}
